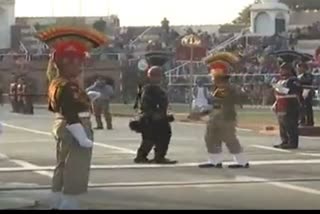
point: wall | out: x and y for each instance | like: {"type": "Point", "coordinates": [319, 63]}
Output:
{"type": "Point", "coordinates": [36, 71]}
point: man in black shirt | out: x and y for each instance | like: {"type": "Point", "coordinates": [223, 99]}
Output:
{"type": "Point", "coordinates": [306, 81]}
{"type": "Point", "coordinates": [156, 129]}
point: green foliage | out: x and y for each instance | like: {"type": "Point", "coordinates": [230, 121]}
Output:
{"type": "Point", "coordinates": [244, 16]}
{"type": "Point", "coordinates": [100, 25]}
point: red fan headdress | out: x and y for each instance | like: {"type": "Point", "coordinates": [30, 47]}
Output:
{"type": "Point", "coordinates": [71, 42]}
{"type": "Point", "coordinates": [221, 63]}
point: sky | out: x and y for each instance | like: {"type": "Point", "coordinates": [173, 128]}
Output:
{"type": "Point", "coordinates": [139, 12]}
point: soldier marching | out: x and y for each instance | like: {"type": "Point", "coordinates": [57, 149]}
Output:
{"type": "Point", "coordinates": [154, 122]}
{"type": "Point", "coordinates": [70, 103]}
{"type": "Point", "coordinates": [221, 127]}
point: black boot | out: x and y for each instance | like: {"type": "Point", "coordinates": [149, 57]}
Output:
{"type": "Point", "coordinates": [280, 145]}
{"type": "Point", "coordinates": [210, 165]}
{"type": "Point", "coordinates": [164, 161]}
{"type": "Point", "coordinates": [141, 160]}
{"type": "Point", "coordinates": [99, 128]}
{"type": "Point", "coordinates": [238, 166]}
{"type": "Point", "coordinates": [289, 146]}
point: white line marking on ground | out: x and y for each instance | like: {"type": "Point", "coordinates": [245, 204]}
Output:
{"type": "Point", "coordinates": [3, 157]}
{"type": "Point", "coordinates": [49, 134]}
{"type": "Point", "coordinates": [239, 180]}
{"type": "Point", "coordinates": [27, 130]}
{"type": "Point", "coordinates": [310, 154]}
{"type": "Point", "coordinates": [124, 150]}
{"type": "Point", "coordinates": [286, 151]}
{"type": "Point", "coordinates": [310, 138]}
{"type": "Point", "coordinates": [139, 139]}
{"type": "Point", "coordinates": [26, 141]}
{"type": "Point", "coordinates": [270, 148]}
{"type": "Point", "coordinates": [203, 124]}
{"type": "Point", "coordinates": [282, 185]}
{"type": "Point", "coordinates": [133, 166]}
{"type": "Point", "coordinates": [25, 165]}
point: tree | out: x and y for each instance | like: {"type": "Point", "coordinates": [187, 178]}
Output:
{"type": "Point", "coordinates": [37, 26]}
{"type": "Point", "coordinates": [100, 25]}
{"type": "Point", "coordinates": [244, 16]}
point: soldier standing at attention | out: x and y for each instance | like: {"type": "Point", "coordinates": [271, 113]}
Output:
{"type": "Point", "coordinates": [20, 86]}
{"type": "Point", "coordinates": [221, 126]}
{"type": "Point", "coordinates": [13, 95]}
{"type": "Point", "coordinates": [287, 106]}
{"type": "Point", "coordinates": [306, 80]}
{"type": "Point", "coordinates": [71, 105]}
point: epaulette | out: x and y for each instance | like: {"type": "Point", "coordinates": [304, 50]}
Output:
{"type": "Point", "coordinates": [56, 84]}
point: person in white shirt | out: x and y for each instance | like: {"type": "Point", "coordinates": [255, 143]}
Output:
{"type": "Point", "coordinates": [200, 101]}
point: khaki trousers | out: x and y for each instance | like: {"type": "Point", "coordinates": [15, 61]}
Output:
{"type": "Point", "coordinates": [71, 175]}
{"type": "Point", "coordinates": [219, 131]}
{"type": "Point", "coordinates": [102, 108]}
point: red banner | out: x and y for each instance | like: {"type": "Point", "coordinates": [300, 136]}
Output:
{"type": "Point", "coordinates": [184, 53]}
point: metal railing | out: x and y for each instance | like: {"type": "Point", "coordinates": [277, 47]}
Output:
{"type": "Point", "coordinates": [24, 49]}
{"type": "Point", "coordinates": [217, 48]}
{"type": "Point", "coordinates": [141, 35]}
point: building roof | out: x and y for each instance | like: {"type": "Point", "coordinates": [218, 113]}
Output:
{"type": "Point", "coordinates": [270, 5]}
{"type": "Point", "coordinates": [231, 28]}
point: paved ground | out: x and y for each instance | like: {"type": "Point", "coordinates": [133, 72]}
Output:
{"type": "Point", "coordinates": [277, 179]}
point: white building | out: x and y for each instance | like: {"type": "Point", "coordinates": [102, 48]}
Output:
{"type": "Point", "coordinates": [269, 17]}
{"type": "Point", "coordinates": [7, 19]}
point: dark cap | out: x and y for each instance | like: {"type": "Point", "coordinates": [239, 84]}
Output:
{"type": "Point", "coordinates": [157, 58]}
{"type": "Point", "coordinates": [288, 67]}
{"type": "Point", "coordinates": [303, 65]}
{"type": "Point", "coordinates": [287, 56]}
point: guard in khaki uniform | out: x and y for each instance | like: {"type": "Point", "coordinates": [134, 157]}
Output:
{"type": "Point", "coordinates": [20, 95]}
{"type": "Point", "coordinates": [13, 96]}
{"type": "Point", "coordinates": [221, 127]}
{"type": "Point", "coordinates": [71, 105]}
{"type": "Point", "coordinates": [101, 105]}
{"type": "Point", "coordinates": [27, 99]}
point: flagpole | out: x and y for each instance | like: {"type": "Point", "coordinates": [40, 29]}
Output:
{"type": "Point", "coordinates": [80, 7]}
{"type": "Point", "coordinates": [52, 7]}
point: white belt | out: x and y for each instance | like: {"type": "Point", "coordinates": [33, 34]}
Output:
{"type": "Point", "coordinates": [80, 115]}
{"type": "Point", "coordinates": [286, 96]}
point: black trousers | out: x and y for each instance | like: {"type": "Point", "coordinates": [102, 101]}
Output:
{"type": "Point", "coordinates": [14, 104]}
{"type": "Point", "coordinates": [20, 107]}
{"type": "Point", "coordinates": [289, 131]}
{"type": "Point", "coordinates": [28, 106]}
{"type": "Point", "coordinates": [155, 134]}
{"type": "Point", "coordinates": [306, 117]}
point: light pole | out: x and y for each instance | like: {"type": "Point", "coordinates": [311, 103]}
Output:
{"type": "Point", "coordinates": [192, 41]}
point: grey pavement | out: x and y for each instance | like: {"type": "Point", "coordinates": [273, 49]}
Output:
{"type": "Point", "coordinates": [278, 179]}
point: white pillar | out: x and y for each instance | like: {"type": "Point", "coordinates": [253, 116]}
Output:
{"type": "Point", "coordinates": [7, 19]}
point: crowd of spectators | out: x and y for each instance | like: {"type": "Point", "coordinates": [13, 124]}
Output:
{"type": "Point", "coordinates": [254, 74]}
{"type": "Point", "coordinates": [309, 32]}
